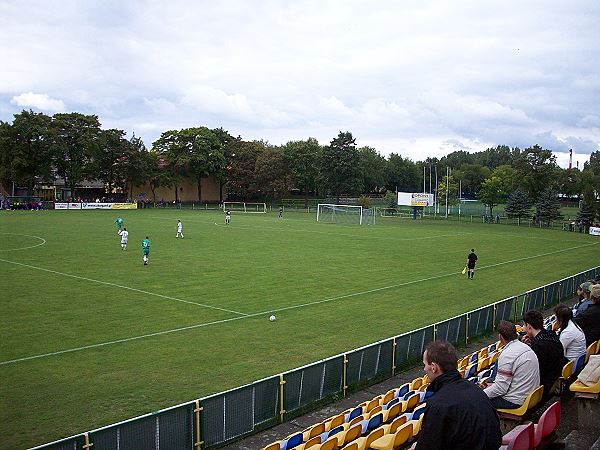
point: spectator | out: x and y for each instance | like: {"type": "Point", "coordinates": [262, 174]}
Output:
{"type": "Point", "coordinates": [571, 335]}
{"type": "Point", "coordinates": [459, 415]}
{"type": "Point", "coordinates": [518, 370]}
{"type": "Point", "coordinates": [589, 319]}
{"type": "Point", "coordinates": [583, 296]}
{"type": "Point", "coordinates": [547, 347]}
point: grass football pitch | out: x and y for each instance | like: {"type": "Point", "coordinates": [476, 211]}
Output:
{"type": "Point", "coordinates": [90, 336]}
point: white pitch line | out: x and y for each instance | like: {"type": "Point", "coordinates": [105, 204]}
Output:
{"type": "Point", "coordinates": [122, 287]}
{"type": "Point", "coordinates": [285, 308]}
{"type": "Point", "coordinates": [24, 248]}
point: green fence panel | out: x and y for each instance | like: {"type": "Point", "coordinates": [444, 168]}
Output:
{"type": "Point", "coordinates": [552, 295]}
{"type": "Point", "coordinates": [71, 443]}
{"type": "Point", "coordinates": [410, 347]}
{"type": "Point", "coordinates": [453, 330]}
{"type": "Point", "coordinates": [504, 310]}
{"type": "Point", "coordinates": [481, 321]}
{"type": "Point", "coordinates": [130, 435]}
{"type": "Point", "coordinates": [597, 273]}
{"type": "Point", "coordinates": [239, 412]}
{"type": "Point", "coordinates": [312, 383]}
{"type": "Point", "coordinates": [567, 289]}
{"type": "Point", "coordinates": [580, 278]}
{"type": "Point", "coordinates": [533, 300]}
{"type": "Point", "coordinates": [369, 363]}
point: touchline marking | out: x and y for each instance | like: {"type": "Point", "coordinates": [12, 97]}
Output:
{"type": "Point", "coordinates": [24, 248]}
{"type": "Point", "coordinates": [122, 287]}
{"type": "Point", "coordinates": [285, 308]}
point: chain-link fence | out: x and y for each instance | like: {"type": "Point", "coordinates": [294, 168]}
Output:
{"type": "Point", "coordinates": [225, 417]}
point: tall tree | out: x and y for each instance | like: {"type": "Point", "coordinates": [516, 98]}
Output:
{"type": "Point", "coordinates": [340, 166]}
{"type": "Point", "coordinates": [518, 205]}
{"type": "Point", "coordinates": [588, 210]}
{"type": "Point", "coordinates": [31, 149]}
{"type": "Point", "coordinates": [74, 140]}
{"type": "Point", "coordinates": [457, 159]}
{"type": "Point", "coordinates": [302, 158]}
{"type": "Point", "coordinates": [536, 170]}
{"type": "Point", "coordinates": [273, 178]}
{"type": "Point", "coordinates": [471, 176]}
{"type": "Point", "coordinates": [241, 174]}
{"type": "Point", "coordinates": [221, 170]}
{"type": "Point", "coordinates": [548, 207]}
{"type": "Point", "coordinates": [6, 154]}
{"type": "Point", "coordinates": [157, 174]}
{"type": "Point", "coordinates": [452, 190]}
{"type": "Point", "coordinates": [372, 169]}
{"type": "Point", "coordinates": [491, 158]}
{"type": "Point", "coordinates": [403, 174]}
{"type": "Point", "coordinates": [175, 156]}
{"type": "Point", "coordinates": [107, 157]}
{"type": "Point", "coordinates": [569, 182]}
{"type": "Point", "coordinates": [135, 165]}
{"type": "Point", "coordinates": [491, 193]}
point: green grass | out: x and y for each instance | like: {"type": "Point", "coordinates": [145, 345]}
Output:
{"type": "Point", "coordinates": [333, 287]}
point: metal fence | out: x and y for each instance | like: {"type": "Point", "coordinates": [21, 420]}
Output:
{"type": "Point", "coordinates": [222, 418]}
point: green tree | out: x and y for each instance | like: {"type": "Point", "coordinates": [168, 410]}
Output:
{"type": "Point", "coordinates": [302, 158]}
{"type": "Point", "coordinates": [471, 177]}
{"type": "Point", "coordinates": [457, 159]}
{"type": "Point", "coordinates": [518, 205]}
{"type": "Point", "coordinates": [507, 176]}
{"type": "Point", "coordinates": [75, 137]}
{"type": "Point", "coordinates": [403, 174]}
{"type": "Point", "coordinates": [491, 158]}
{"type": "Point", "coordinates": [340, 166]}
{"type": "Point", "coordinates": [157, 174]}
{"type": "Point", "coordinates": [272, 176]}
{"type": "Point", "coordinates": [175, 157]}
{"type": "Point", "coordinates": [372, 169]}
{"type": "Point", "coordinates": [204, 153]}
{"type": "Point", "coordinates": [452, 190]}
{"type": "Point", "coordinates": [491, 193]}
{"type": "Point", "coordinates": [588, 210]}
{"type": "Point", "coordinates": [6, 153]}
{"type": "Point", "coordinates": [241, 174]}
{"type": "Point", "coordinates": [536, 171]}
{"type": "Point", "coordinates": [107, 158]}
{"type": "Point", "coordinates": [569, 182]}
{"type": "Point", "coordinates": [135, 165]}
{"type": "Point", "coordinates": [548, 207]}
{"type": "Point", "coordinates": [223, 166]}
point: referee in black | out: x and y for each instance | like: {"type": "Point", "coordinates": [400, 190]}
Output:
{"type": "Point", "coordinates": [471, 260]}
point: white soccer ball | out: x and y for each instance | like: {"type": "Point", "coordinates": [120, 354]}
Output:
{"type": "Point", "coordinates": [272, 318]}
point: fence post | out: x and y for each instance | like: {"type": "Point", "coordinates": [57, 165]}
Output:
{"type": "Point", "coordinates": [494, 317]}
{"type": "Point", "coordinates": [87, 441]}
{"type": "Point", "coordinates": [281, 410]}
{"type": "Point", "coordinates": [197, 409]}
{"type": "Point", "coordinates": [394, 356]}
{"type": "Point", "coordinates": [544, 299]}
{"type": "Point", "coordinates": [345, 374]}
{"type": "Point", "coordinates": [434, 332]}
{"type": "Point", "coordinates": [467, 329]}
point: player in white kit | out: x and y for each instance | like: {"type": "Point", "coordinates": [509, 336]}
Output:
{"type": "Point", "coordinates": [179, 229]}
{"type": "Point", "coordinates": [124, 237]}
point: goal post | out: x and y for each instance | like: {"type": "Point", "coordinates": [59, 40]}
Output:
{"type": "Point", "coordinates": [351, 214]}
{"type": "Point", "coordinates": [245, 207]}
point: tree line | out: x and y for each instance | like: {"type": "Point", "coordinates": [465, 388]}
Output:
{"type": "Point", "coordinates": [37, 149]}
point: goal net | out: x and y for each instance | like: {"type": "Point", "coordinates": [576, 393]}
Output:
{"type": "Point", "coordinates": [245, 207]}
{"type": "Point", "coordinates": [350, 214]}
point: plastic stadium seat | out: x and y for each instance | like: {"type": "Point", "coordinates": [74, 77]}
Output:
{"type": "Point", "coordinates": [273, 446]}
{"type": "Point", "coordinates": [354, 432]}
{"type": "Point", "coordinates": [292, 441]}
{"type": "Point", "coordinates": [334, 421]}
{"type": "Point", "coordinates": [313, 431]}
{"type": "Point", "coordinates": [370, 405]}
{"type": "Point", "coordinates": [391, 413]}
{"type": "Point", "coordinates": [580, 362]}
{"type": "Point", "coordinates": [411, 402]}
{"type": "Point", "coordinates": [483, 364]}
{"type": "Point", "coordinates": [473, 357]}
{"type": "Point", "coordinates": [354, 413]}
{"type": "Point", "coordinates": [390, 441]}
{"type": "Point", "coordinates": [531, 401]}
{"type": "Point", "coordinates": [581, 390]}
{"type": "Point", "coordinates": [387, 397]}
{"type": "Point", "coordinates": [391, 403]}
{"type": "Point", "coordinates": [521, 440]}
{"type": "Point", "coordinates": [416, 384]}
{"type": "Point", "coordinates": [365, 442]}
{"type": "Point", "coordinates": [546, 426]}
{"type": "Point", "coordinates": [393, 427]}
{"type": "Point", "coordinates": [315, 441]}
{"type": "Point", "coordinates": [402, 390]}
{"type": "Point", "coordinates": [352, 446]}
{"type": "Point", "coordinates": [329, 444]}
{"type": "Point", "coordinates": [492, 347]}
{"type": "Point", "coordinates": [372, 423]}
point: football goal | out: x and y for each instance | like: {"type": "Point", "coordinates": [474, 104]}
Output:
{"type": "Point", "coordinates": [350, 214]}
{"type": "Point", "coordinates": [245, 207]}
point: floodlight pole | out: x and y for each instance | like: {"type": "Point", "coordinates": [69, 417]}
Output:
{"type": "Point", "coordinates": [447, 186]}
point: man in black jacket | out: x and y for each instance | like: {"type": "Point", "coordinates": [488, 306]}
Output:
{"type": "Point", "coordinates": [589, 320]}
{"type": "Point", "coordinates": [547, 347]}
{"type": "Point", "coordinates": [459, 415]}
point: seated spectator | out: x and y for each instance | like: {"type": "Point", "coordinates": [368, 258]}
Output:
{"type": "Point", "coordinates": [547, 347]}
{"type": "Point", "coordinates": [459, 415]}
{"type": "Point", "coordinates": [583, 297]}
{"type": "Point", "coordinates": [589, 319]}
{"type": "Point", "coordinates": [518, 370]}
{"type": "Point", "coordinates": [571, 335]}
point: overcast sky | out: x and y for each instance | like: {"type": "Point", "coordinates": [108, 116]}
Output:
{"type": "Point", "coordinates": [420, 78]}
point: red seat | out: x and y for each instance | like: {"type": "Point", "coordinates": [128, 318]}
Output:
{"type": "Point", "coordinates": [521, 438]}
{"type": "Point", "coordinates": [548, 423]}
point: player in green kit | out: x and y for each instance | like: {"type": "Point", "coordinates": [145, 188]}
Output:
{"type": "Point", "coordinates": [146, 250]}
{"type": "Point", "coordinates": [119, 223]}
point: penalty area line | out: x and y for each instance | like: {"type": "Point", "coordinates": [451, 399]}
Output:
{"type": "Point", "coordinates": [286, 308]}
{"type": "Point", "coordinates": [120, 286]}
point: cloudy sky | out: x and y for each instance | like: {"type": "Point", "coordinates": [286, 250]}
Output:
{"type": "Point", "coordinates": [420, 78]}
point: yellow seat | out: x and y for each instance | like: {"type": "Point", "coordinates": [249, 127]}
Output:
{"type": "Point", "coordinates": [371, 404]}
{"type": "Point", "coordinates": [423, 388]}
{"type": "Point", "coordinates": [329, 444]}
{"type": "Point", "coordinates": [352, 446]}
{"type": "Point", "coordinates": [390, 441]}
{"type": "Point", "coordinates": [334, 421]}
{"type": "Point", "coordinates": [583, 391]}
{"type": "Point", "coordinates": [273, 446]}
{"type": "Point", "coordinates": [494, 357]}
{"type": "Point", "coordinates": [365, 442]}
{"type": "Point", "coordinates": [313, 431]}
{"type": "Point", "coordinates": [531, 401]}
{"type": "Point", "coordinates": [388, 397]}
{"type": "Point", "coordinates": [349, 435]}
{"type": "Point", "coordinates": [391, 428]}
{"type": "Point", "coordinates": [412, 401]}
{"type": "Point", "coordinates": [392, 413]}
{"type": "Point", "coordinates": [315, 441]}
{"type": "Point", "coordinates": [483, 353]}
{"type": "Point", "coordinates": [483, 364]}
{"type": "Point", "coordinates": [416, 425]}
{"type": "Point", "coordinates": [416, 384]}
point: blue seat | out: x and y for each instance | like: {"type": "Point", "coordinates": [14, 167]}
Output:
{"type": "Point", "coordinates": [471, 371]}
{"type": "Point", "coordinates": [292, 441]}
{"type": "Point", "coordinates": [403, 390]}
{"type": "Point", "coordinates": [390, 403]}
{"type": "Point", "coordinates": [579, 363]}
{"type": "Point", "coordinates": [328, 434]}
{"type": "Point", "coordinates": [372, 423]}
{"type": "Point", "coordinates": [417, 413]}
{"type": "Point", "coordinates": [407, 395]}
{"type": "Point", "coordinates": [354, 413]}
{"type": "Point", "coordinates": [492, 347]}
{"type": "Point", "coordinates": [494, 371]}
{"type": "Point", "coordinates": [473, 358]}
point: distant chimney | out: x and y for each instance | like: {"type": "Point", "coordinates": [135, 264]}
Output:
{"type": "Point", "coordinates": [571, 159]}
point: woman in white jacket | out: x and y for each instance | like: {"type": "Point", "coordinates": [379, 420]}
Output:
{"type": "Point", "coordinates": [571, 336]}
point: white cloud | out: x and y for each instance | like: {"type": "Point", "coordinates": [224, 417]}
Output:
{"type": "Point", "coordinates": [38, 101]}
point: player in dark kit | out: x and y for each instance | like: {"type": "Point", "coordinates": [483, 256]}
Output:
{"type": "Point", "coordinates": [471, 260]}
